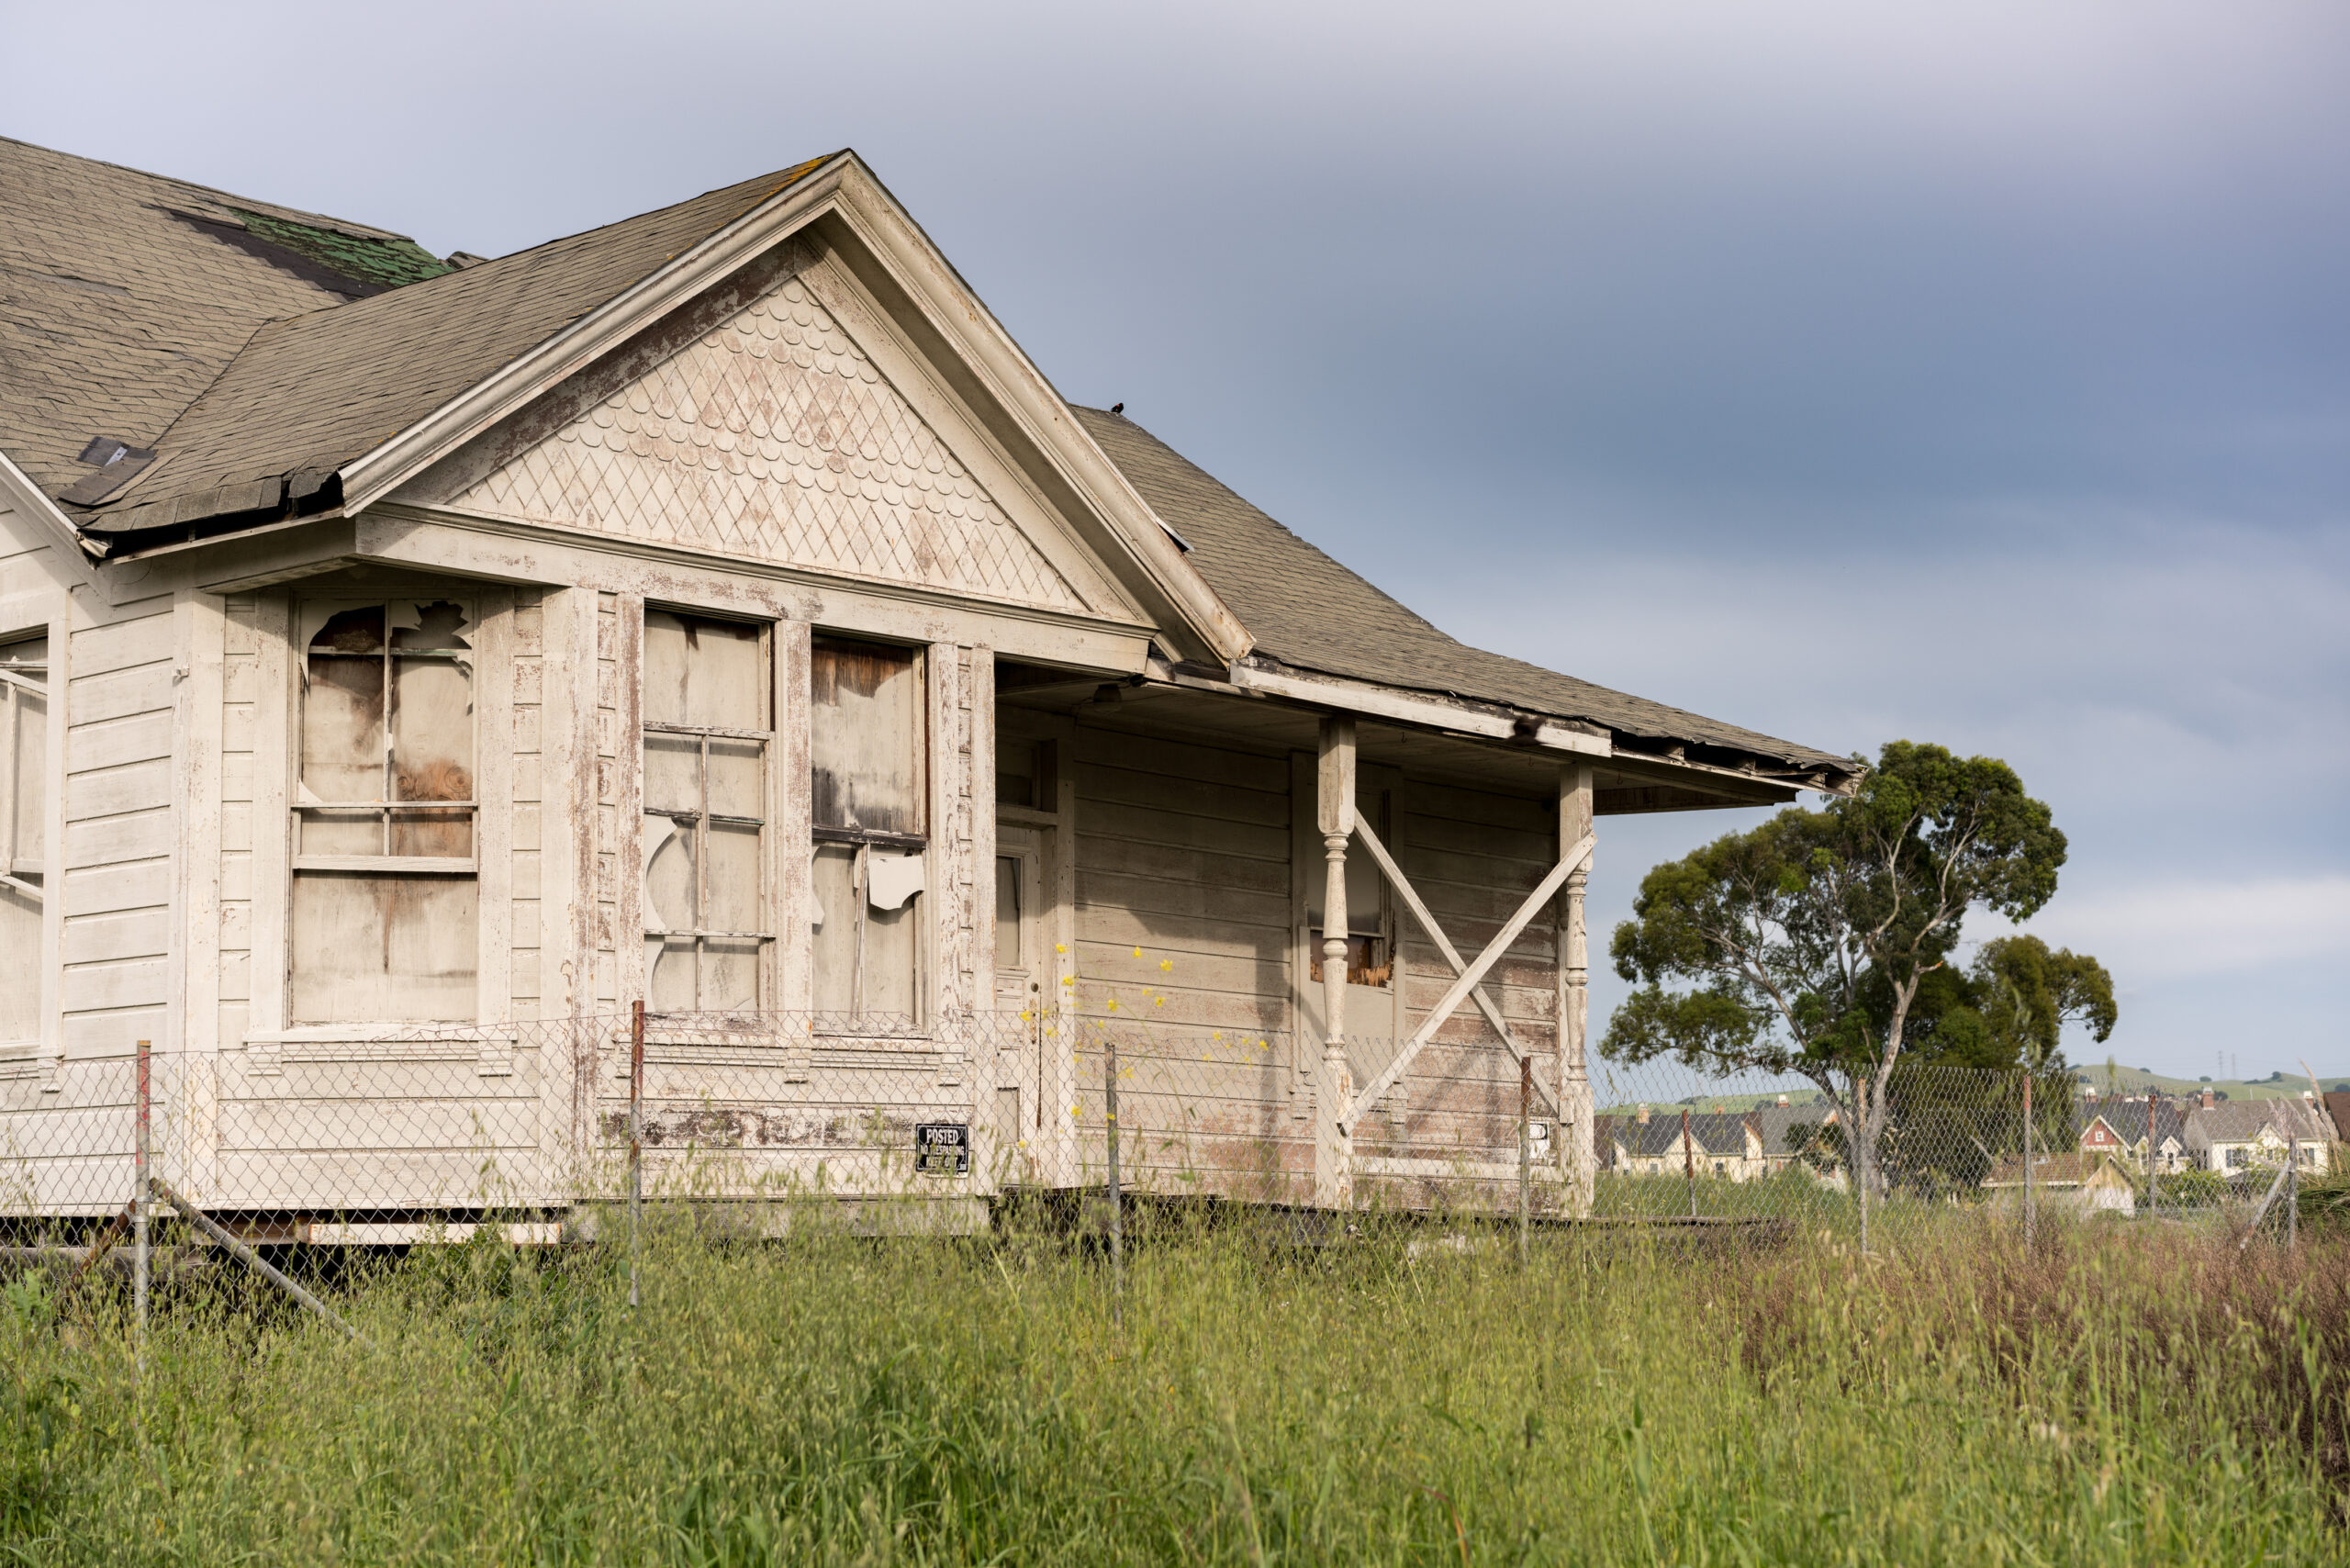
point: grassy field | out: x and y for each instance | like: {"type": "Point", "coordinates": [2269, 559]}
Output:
{"type": "Point", "coordinates": [2110, 1395]}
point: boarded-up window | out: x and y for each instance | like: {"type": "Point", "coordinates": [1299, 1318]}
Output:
{"type": "Point", "coordinates": [869, 750]}
{"type": "Point", "coordinates": [709, 724]}
{"type": "Point", "coordinates": [386, 908]}
{"type": "Point", "coordinates": [24, 807]}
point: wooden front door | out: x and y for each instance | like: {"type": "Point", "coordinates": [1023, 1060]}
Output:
{"type": "Point", "coordinates": [1026, 1000]}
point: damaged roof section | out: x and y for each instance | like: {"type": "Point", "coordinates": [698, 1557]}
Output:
{"type": "Point", "coordinates": [1310, 614]}
{"type": "Point", "coordinates": [124, 294]}
{"type": "Point", "coordinates": [311, 393]}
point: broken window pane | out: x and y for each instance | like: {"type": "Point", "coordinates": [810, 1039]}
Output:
{"type": "Point", "coordinates": [836, 919]}
{"type": "Point", "coordinates": [702, 673]}
{"type": "Point", "coordinates": [867, 729]}
{"type": "Point", "coordinates": [705, 683]}
{"type": "Point", "coordinates": [386, 717]}
{"type": "Point", "coordinates": [432, 754]}
{"type": "Point", "coordinates": [1007, 912]}
{"type": "Point", "coordinates": [382, 949]}
{"type": "Point", "coordinates": [673, 774]}
{"type": "Point", "coordinates": [893, 946]}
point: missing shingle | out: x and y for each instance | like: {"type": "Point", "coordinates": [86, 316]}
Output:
{"type": "Point", "coordinates": [105, 451]}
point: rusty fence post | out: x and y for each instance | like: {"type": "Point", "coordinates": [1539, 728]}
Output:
{"type": "Point", "coordinates": [1118, 1217]}
{"type": "Point", "coordinates": [635, 1137]}
{"type": "Point", "coordinates": [1525, 1157]}
{"type": "Point", "coordinates": [1689, 1163]}
{"type": "Point", "coordinates": [139, 1211]}
{"type": "Point", "coordinates": [2027, 1157]}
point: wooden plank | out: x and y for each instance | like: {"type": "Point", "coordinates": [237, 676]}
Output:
{"type": "Point", "coordinates": [1180, 864]}
{"type": "Point", "coordinates": [122, 693]}
{"type": "Point", "coordinates": [1452, 836]}
{"type": "Point", "coordinates": [140, 738]}
{"type": "Point", "coordinates": [1113, 965]}
{"type": "Point", "coordinates": [133, 787]}
{"type": "Point", "coordinates": [1185, 797]}
{"type": "Point", "coordinates": [1196, 899]}
{"type": "Point", "coordinates": [114, 841]}
{"type": "Point", "coordinates": [110, 937]}
{"type": "Point", "coordinates": [125, 642]}
{"type": "Point", "coordinates": [1528, 813]}
{"type": "Point", "coordinates": [1176, 831]}
{"type": "Point", "coordinates": [1122, 926]}
{"type": "Point", "coordinates": [1263, 771]}
{"type": "Point", "coordinates": [99, 987]}
{"type": "Point", "coordinates": [101, 890]}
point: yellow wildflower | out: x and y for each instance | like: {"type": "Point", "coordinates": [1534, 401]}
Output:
{"type": "Point", "coordinates": [1165, 964]}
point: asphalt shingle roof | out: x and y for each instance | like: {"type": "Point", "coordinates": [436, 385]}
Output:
{"type": "Point", "coordinates": [124, 294]}
{"type": "Point", "coordinates": [316, 391]}
{"type": "Point", "coordinates": [260, 349]}
{"type": "Point", "coordinates": [1309, 611]}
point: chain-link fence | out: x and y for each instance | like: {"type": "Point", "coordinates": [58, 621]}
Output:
{"type": "Point", "coordinates": [559, 1130]}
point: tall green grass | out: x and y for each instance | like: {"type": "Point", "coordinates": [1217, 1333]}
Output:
{"type": "Point", "coordinates": [2128, 1398]}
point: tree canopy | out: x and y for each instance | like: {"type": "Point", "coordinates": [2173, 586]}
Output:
{"type": "Point", "coordinates": [1820, 942]}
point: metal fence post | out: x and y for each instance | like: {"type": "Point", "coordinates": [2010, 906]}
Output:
{"type": "Point", "coordinates": [1118, 1217]}
{"type": "Point", "coordinates": [635, 1137]}
{"type": "Point", "coordinates": [1525, 1157]}
{"type": "Point", "coordinates": [2293, 1191]}
{"type": "Point", "coordinates": [2027, 1157]}
{"type": "Point", "coordinates": [139, 1199]}
{"type": "Point", "coordinates": [1689, 1163]}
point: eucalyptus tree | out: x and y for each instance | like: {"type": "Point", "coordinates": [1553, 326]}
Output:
{"type": "Point", "coordinates": [1802, 946]}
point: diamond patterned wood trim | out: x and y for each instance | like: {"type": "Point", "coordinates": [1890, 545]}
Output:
{"type": "Point", "coordinates": [777, 436]}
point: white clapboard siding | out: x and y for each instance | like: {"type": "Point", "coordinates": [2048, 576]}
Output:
{"type": "Point", "coordinates": [120, 829]}
{"type": "Point", "coordinates": [528, 696]}
{"type": "Point", "coordinates": [1182, 852]}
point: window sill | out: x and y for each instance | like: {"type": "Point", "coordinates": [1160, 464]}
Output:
{"type": "Point", "coordinates": [414, 865]}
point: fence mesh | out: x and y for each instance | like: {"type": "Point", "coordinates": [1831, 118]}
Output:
{"type": "Point", "coordinates": [377, 1135]}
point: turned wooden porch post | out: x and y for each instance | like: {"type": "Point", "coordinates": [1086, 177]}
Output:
{"type": "Point", "coordinates": [1577, 1151]}
{"type": "Point", "coordinates": [1334, 1086]}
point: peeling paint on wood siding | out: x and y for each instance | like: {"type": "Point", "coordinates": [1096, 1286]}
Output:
{"type": "Point", "coordinates": [529, 685]}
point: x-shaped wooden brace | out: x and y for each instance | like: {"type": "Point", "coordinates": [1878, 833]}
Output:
{"type": "Point", "coordinates": [1468, 978]}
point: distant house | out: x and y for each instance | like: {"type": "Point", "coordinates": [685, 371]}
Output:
{"type": "Point", "coordinates": [2138, 1132]}
{"type": "Point", "coordinates": [1671, 1143]}
{"type": "Point", "coordinates": [2090, 1181]}
{"type": "Point", "coordinates": [1791, 1131]}
{"type": "Point", "coordinates": [2244, 1135]}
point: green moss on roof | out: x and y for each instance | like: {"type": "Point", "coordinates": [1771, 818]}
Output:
{"type": "Point", "coordinates": [389, 262]}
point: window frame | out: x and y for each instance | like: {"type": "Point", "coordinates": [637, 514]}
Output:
{"type": "Point", "coordinates": [855, 1022]}
{"type": "Point", "coordinates": [48, 824]}
{"type": "Point", "coordinates": [767, 941]}
{"type": "Point", "coordinates": [14, 687]}
{"type": "Point", "coordinates": [306, 614]}
{"type": "Point", "coordinates": [299, 811]}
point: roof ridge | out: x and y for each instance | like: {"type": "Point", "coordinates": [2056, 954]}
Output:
{"type": "Point", "coordinates": [230, 200]}
{"type": "Point", "coordinates": [477, 273]}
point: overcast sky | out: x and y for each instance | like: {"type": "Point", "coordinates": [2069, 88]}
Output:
{"type": "Point", "coordinates": [1976, 374]}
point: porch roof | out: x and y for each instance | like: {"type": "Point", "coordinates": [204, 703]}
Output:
{"type": "Point", "coordinates": [1307, 611]}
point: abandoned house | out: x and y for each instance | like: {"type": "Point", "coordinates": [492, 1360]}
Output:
{"type": "Point", "coordinates": [408, 665]}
